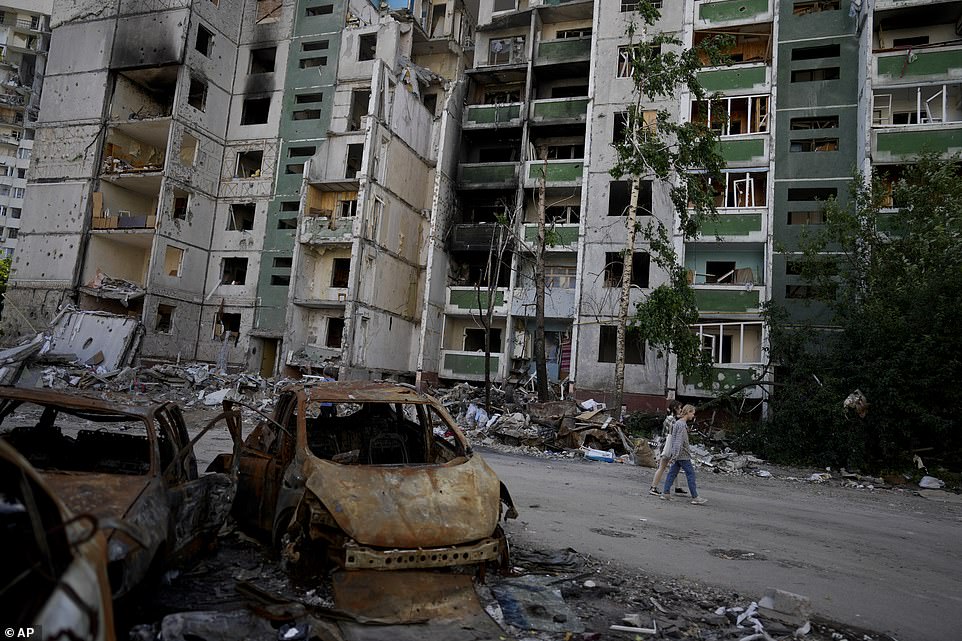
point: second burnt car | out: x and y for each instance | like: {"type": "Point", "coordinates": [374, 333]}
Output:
{"type": "Point", "coordinates": [132, 465]}
{"type": "Point", "coordinates": [361, 475]}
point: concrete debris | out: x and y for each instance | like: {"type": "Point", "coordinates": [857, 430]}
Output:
{"type": "Point", "coordinates": [104, 287]}
{"type": "Point", "coordinates": [787, 607]}
{"type": "Point", "coordinates": [517, 419]}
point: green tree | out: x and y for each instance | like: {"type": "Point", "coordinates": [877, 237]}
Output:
{"type": "Point", "coordinates": [4, 277]}
{"type": "Point", "coordinates": [889, 267]}
{"type": "Point", "coordinates": [684, 155]}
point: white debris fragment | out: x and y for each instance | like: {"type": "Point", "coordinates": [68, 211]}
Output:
{"type": "Point", "coordinates": [216, 398]}
{"type": "Point", "coordinates": [931, 483]}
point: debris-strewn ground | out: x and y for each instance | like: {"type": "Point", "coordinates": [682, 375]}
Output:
{"type": "Point", "coordinates": [558, 594]}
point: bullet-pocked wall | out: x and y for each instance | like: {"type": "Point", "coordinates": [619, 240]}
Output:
{"type": "Point", "coordinates": [179, 279]}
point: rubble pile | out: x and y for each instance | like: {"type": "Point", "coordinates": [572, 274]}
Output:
{"type": "Point", "coordinates": [517, 420]}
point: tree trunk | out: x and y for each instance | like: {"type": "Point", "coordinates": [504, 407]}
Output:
{"type": "Point", "coordinates": [621, 327]}
{"type": "Point", "coordinates": [541, 365]}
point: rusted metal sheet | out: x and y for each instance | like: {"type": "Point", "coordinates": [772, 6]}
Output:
{"type": "Point", "coordinates": [359, 557]}
{"type": "Point", "coordinates": [65, 589]}
{"type": "Point", "coordinates": [404, 596]}
{"type": "Point", "coordinates": [105, 495]}
{"type": "Point", "coordinates": [409, 507]}
{"type": "Point", "coordinates": [110, 467]}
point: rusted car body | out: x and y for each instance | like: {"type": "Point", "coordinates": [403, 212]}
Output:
{"type": "Point", "coordinates": [371, 476]}
{"type": "Point", "coordinates": [54, 575]}
{"type": "Point", "coordinates": [131, 465]}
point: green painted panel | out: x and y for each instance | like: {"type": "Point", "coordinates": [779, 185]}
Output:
{"type": "Point", "coordinates": [564, 50]}
{"type": "Point", "coordinates": [733, 225]}
{"type": "Point", "coordinates": [720, 300]}
{"type": "Point", "coordinates": [560, 235]}
{"type": "Point", "coordinates": [471, 299]}
{"type": "Point", "coordinates": [731, 10]}
{"type": "Point", "coordinates": [731, 79]}
{"type": "Point", "coordinates": [272, 299]}
{"type": "Point", "coordinates": [742, 150]}
{"type": "Point", "coordinates": [488, 173]}
{"type": "Point", "coordinates": [558, 171]}
{"type": "Point", "coordinates": [490, 114]}
{"type": "Point", "coordinates": [571, 108]}
{"type": "Point", "coordinates": [911, 143]}
{"type": "Point", "coordinates": [922, 63]}
{"type": "Point", "coordinates": [726, 378]}
{"type": "Point", "coordinates": [469, 363]}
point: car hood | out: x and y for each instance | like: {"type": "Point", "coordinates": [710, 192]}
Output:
{"type": "Point", "coordinates": [103, 495]}
{"type": "Point", "coordinates": [416, 506]}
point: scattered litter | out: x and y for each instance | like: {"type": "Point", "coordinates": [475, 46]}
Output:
{"type": "Point", "coordinates": [820, 477]}
{"type": "Point", "coordinates": [634, 621]}
{"type": "Point", "coordinates": [931, 483]}
{"type": "Point", "coordinates": [763, 473]}
{"type": "Point", "coordinates": [599, 455]}
{"type": "Point", "coordinates": [528, 603]}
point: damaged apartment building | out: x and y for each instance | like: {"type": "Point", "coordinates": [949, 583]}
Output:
{"type": "Point", "coordinates": [24, 38]}
{"type": "Point", "coordinates": [299, 184]}
{"type": "Point", "coordinates": [169, 173]}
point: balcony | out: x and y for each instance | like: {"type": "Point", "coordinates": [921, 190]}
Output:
{"type": "Point", "coordinates": [564, 50]}
{"type": "Point", "coordinates": [559, 237]}
{"type": "Point", "coordinates": [744, 227]}
{"type": "Point", "coordinates": [749, 78]}
{"type": "Point", "coordinates": [731, 343]}
{"type": "Point", "coordinates": [124, 221]}
{"type": "Point", "coordinates": [472, 300]}
{"type": "Point", "coordinates": [916, 64]}
{"type": "Point", "coordinates": [34, 25]}
{"type": "Point", "coordinates": [917, 104]}
{"type": "Point", "coordinates": [559, 302]}
{"type": "Point", "coordinates": [560, 173]}
{"type": "Point", "coordinates": [473, 236]}
{"type": "Point", "coordinates": [904, 143]}
{"type": "Point", "coordinates": [468, 366]}
{"type": "Point", "coordinates": [489, 175]}
{"type": "Point", "coordinates": [728, 299]}
{"type": "Point", "coordinates": [498, 115]}
{"type": "Point", "coordinates": [136, 148]}
{"type": "Point", "coordinates": [729, 12]}
{"type": "Point", "coordinates": [724, 379]}
{"type": "Point", "coordinates": [559, 110]}
{"type": "Point", "coordinates": [322, 230]}
{"type": "Point", "coordinates": [753, 150]}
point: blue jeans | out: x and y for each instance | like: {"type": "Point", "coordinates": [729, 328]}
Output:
{"type": "Point", "coordinates": [689, 475]}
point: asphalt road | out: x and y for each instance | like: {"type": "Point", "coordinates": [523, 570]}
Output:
{"type": "Point", "coordinates": [885, 560]}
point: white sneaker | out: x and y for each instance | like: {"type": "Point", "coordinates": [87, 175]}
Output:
{"type": "Point", "coordinates": [699, 501]}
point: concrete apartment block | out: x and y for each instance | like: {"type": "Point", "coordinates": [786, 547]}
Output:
{"type": "Point", "coordinates": [289, 185]}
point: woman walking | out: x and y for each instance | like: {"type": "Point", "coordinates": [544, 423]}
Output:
{"type": "Point", "coordinates": [669, 423]}
{"type": "Point", "coordinates": [680, 456]}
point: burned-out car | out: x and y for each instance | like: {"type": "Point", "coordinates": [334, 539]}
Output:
{"type": "Point", "coordinates": [360, 475]}
{"type": "Point", "coordinates": [54, 576]}
{"type": "Point", "coordinates": [130, 465]}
